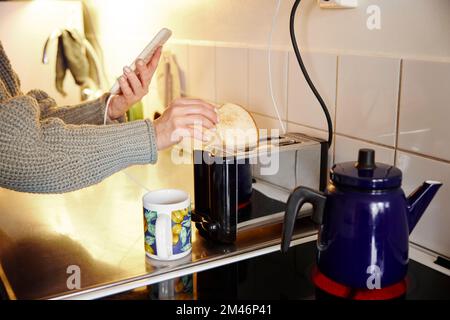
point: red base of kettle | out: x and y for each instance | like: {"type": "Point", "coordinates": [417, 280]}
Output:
{"type": "Point", "coordinates": [331, 288]}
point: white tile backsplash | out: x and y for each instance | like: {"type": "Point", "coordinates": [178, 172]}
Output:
{"type": "Point", "coordinates": [432, 229]}
{"type": "Point", "coordinates": [425, 108]}
{"type": "Point", "coordinates": [232, 75]}
{"type": "Point", "coordinates": [293, 127]}
{"type": "Point", "coordinates": [303, 107]}
{"type": "Point", "coordinates": [258, 90]}
{"type": "Point", "coordinates": [346, 149]}
{"type": "Point", "coordinates": [268, 123]}
{"type": "Point", "coordinates": [366, 109]}
{"type": "Point", "coordinates": [202, 72]}
{"type": "Point", "coordinates": [367, 98]}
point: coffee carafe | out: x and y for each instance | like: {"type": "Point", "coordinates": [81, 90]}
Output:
{"type": "Point", "coordinates": [364, 221]}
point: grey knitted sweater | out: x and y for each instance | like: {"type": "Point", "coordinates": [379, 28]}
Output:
{"type": "Point", "coordinates": [50, 149]}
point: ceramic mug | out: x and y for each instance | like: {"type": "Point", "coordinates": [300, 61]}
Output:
{"type": "Point", "coordinates": [167, 224]}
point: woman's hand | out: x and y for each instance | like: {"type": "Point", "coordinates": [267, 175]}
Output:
{"type": "Point", "coordinates": [133, 86]}
{"type": "Point", "coordinates": [181, 119]}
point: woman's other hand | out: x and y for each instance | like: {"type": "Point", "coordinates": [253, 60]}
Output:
{"type": "Point", "coordinates": [181, 119]}
{"type": "Point", "coordinates": [133, 86]}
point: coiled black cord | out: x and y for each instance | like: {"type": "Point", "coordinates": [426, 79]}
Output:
{"type": "Point", "coordinates": [306, 75]}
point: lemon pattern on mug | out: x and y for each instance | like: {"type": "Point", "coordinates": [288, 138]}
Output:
{"type": "Point", "coordinates": [181, 230]}
{"type": "Point", "coordinates": [149, 230]}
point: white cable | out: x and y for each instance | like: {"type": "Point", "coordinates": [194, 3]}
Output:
{"type": "Point", "coordinates": [269, 57]}
{"type": "Point", "coordinates": [105, 117]}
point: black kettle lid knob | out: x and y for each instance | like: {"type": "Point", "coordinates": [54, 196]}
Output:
{"type": "Point", "coordinates": [366, 174]}
{"type": "Point", "coordinates": [366, 159]}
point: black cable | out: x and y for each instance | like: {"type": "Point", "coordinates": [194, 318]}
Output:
{"type": "Point", "coordinates": [306, 75]}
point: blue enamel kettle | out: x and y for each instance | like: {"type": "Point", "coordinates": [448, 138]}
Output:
{"type": "Point", "coordinates": [364, 223]}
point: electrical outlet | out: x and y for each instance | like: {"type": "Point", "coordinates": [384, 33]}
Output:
{"type": "Point", "coordinates": [338, 4]}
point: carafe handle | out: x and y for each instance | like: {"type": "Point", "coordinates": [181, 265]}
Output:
{"type": "Point", "coordinates": [297, 199]}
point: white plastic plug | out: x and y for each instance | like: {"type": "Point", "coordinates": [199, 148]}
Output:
{"type": "Point", "coordinates": [338, 4]}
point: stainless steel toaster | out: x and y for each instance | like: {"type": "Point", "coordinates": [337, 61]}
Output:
{"type": "Point", "coordinates": [247, 188]}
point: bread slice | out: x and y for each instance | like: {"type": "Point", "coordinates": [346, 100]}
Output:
{"type": "Point", "coordinates": [236, 128]}
{"type": "Point", "coordinates": [236, 131]}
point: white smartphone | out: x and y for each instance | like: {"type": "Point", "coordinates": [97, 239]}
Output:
{"type": "Point", "coordinates": [161, 37]}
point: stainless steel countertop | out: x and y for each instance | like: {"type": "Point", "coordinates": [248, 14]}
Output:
{"type": "Point", "coordinates": [100, 230]}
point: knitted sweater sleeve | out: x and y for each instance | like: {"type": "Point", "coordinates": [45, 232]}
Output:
{"type": "Point", "coordinates": [49, 156]}
{"type": "Point", "coordinates": [89, 112]}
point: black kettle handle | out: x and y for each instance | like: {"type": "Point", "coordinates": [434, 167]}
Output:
{"type": "Point", "coordinates": [297, 199]}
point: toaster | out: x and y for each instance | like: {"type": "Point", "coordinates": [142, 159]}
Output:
{"type": "Point", "coordinates": [246, 188]}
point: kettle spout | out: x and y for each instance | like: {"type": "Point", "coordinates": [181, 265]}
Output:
{"type": "Point", "coordinates": [419, 200]}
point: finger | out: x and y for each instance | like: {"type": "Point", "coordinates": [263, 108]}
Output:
{"type": "Point", "coordinates": [125, 87]}
{"type": "Point", "coordinates": [198, 134]}
{"type": "Point", "coordinates": [190, 101]}
{"type": "Point", "coordinates": [189, 132]}
{"type": "Point", "coordinates": [134, 82]}
{"type": "Point", "coordinates": [143, 73]}
{"type": "Point", "coordinates": [151, 67]}
{"type": "Point", "coordinates": [199, 110]}
{"type": "Point", "coordinates": [153, 63]}
{"type": "Point", "coordinates": [194, 120]}
{"type": "Point", "coordinates": [178, 134]}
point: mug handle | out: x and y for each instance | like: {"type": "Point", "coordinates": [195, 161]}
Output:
{"type": "Point", "coordinates": [163, 235]}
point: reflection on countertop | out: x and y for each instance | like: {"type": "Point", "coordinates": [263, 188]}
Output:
{"type": "Point", "coordinates": [275, 276]}
{"type": "Point", "coordinates": [100, 230]}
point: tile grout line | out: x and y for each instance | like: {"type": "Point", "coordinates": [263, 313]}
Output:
{"type": "Point", "coordinates": [288, 48]}
{"type": "Point", "coordinates": [247, 91]}
{"type": "Point", "coordinates": [287, 90]}
{"type": "Point", "coordinates": [214, 47]}
{"type": "Point", "coordinates": [335, 108]}
{"type": "Point", "coordinates": [308, 126]}
{"type": "Point", "coordinates": [188, 75]}
{"type": "Point", "coordinates": [428, 157]}
{"type": "Point", "coordinates": [215, 75]}
{"type": "Point", "coordinates": [365, 141]}
{"type": "Point", "coordinates": [397, 125]}
{"type": "Point", "coordinates": [325, 131]}
{"type": "Point", "coordinates": [395, 148]}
